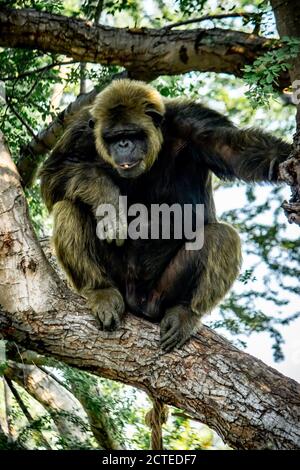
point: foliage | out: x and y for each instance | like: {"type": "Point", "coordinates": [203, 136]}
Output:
{"type": "Point", "coordinates": [188, 7]}
{"type": "Point", "coordinates": [102, 398]}
{"type": "Point", "coordinates": [275, 288]}
{"type": "Point", "coordinates": [27, 94]}
{"type": "Point", "coordinates": [262, 76]}
{"type": "Point", "coordinates": [55, 6]}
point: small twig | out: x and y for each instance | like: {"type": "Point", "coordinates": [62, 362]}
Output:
{"type": "Point", "coordinates": [24, 409]}
{"type": "Point", "coordinates": [21, 119]}
{"type": "Point", "coordinates": [98, 11]}
{"type": "Point", "coordinates": [56, 379]}
{"type": "Point", "coordinates": [31, 89]}
{"type": "Point", "coordinates": [82, 78]}
{"type": "Point", "coordinates": [219, 16]}
{"type": "Point", "coordinates": [40, 70]}
{"type": "Point", "coordinates": [18, 399]}
{"type": "Point", "coordinates": [83, 65]}
{"type": "Point", "coordinates": [7, 411]}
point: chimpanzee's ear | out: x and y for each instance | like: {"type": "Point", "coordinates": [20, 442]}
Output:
{"type": "Point", "coordinates": [156, 116]}
{"type": "Point", "coordinates": [91, 123]}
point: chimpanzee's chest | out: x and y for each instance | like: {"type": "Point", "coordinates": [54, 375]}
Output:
{"type": "Point", "coordinates": [156, 234]}
{"type": "Point", "coordinates": [179, 180]}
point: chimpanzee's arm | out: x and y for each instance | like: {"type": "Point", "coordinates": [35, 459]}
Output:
{"type": "Point", "coordinates": [248, 154]}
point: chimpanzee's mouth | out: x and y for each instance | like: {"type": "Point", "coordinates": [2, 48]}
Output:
{"type": "Point", "coordinates": [131, 169]}
{"type": "Point", "coordinates": [128, 165]}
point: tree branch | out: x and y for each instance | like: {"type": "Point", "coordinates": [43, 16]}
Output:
{"type": "Point", "coordinates": [26, 412]}
{"type": "Point", "coordinates": [55, 395]}
{"type": "Point", "coordinates": [220, 16]}
{"type": "Point", "coordinates": [248, 403]}
{"type": "Point", "coordinates": [287, 22]}
{"type": "Point", "coordinates": [98, 11]}
{"type": "Point", "coordinates": [146, 53]}
{"type": "Point", "coordinates": [21, 119]}
{"type": "Point", "coordinates": [38, 71]}
{"type": "Point", "coordinates": [66, 412]}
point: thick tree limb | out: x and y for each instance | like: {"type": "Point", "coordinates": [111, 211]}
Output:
{"type": "Point", "coordinates": [249, 404]}
{"type": "Point", "coordinates": [146, 53]}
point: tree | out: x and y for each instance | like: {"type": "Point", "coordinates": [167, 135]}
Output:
{"type": "Point", "coordinates": [209, 378]}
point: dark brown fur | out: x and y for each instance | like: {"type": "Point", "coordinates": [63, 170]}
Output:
{"type": "Point", "coordinates": [158, 279]}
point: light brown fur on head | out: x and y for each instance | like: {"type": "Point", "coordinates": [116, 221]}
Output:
{"type": "Point", "coordinates": [132, 99]}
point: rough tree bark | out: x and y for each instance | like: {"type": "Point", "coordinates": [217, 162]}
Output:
{"type": "Point", "coordinates": [287, 14]}
{"type": "Point", "coordinates": [250, 405]}
{"type": "Point", "coordinates": [144, 52]}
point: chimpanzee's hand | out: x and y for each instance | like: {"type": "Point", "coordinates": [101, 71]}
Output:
{"type": "Point", "coordinates": [177, 327]}
{"type": "Point", "coordinates": [108, 306]}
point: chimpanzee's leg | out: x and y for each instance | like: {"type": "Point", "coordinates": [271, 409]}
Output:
{"type": "Point", "coordinates": [145, 264]}
{"type": "Point", "coordinates": [194, 282]}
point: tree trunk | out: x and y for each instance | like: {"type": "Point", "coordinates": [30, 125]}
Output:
{"type": "Point", "coordinates": [287, 14]}
{"type": "Point", "coordinates": [250, 405]}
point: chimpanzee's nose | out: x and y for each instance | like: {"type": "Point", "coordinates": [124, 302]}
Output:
{"type": "Point", "coordinates": [125, 147]}
{"type": "Point", "coordinates": [124, 144]}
